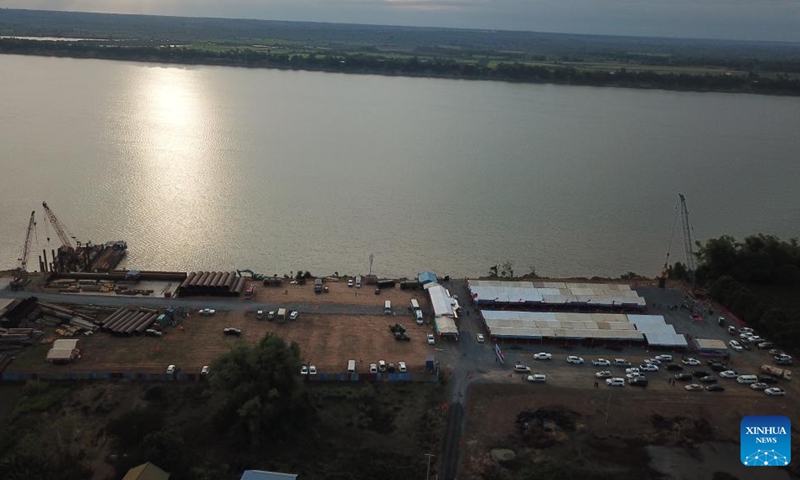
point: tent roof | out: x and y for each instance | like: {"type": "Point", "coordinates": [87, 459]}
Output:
{"type": "Point", "coordinates": [442, 305]}
{"type": "Point", "coordinates": [446, 326]}
{"type": "Point", "coordinates": [146, 471]}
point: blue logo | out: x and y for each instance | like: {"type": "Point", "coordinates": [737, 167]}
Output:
{"type": "Point", "coordinates": [766, 441]}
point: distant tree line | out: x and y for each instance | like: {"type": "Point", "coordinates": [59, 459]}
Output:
{"type": "Point", "coordinates": [413, 66]}
{"type": "Point", "coordinates": [738, 273]}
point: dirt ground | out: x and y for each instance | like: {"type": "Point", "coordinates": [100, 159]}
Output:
{"type": "Point", "coordinates": [326, 341]}
{"type": "Point", "coordinates": [608, 415]}
{"type": "Point", "coordinates": [340, 294]}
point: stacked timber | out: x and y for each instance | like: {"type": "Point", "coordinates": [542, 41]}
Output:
{"type": "Point", "coordinates": [218, 284]}
{"type": "Point", "coordinates": [130, 321]}
{"type": "Point", "coordinates": [10, 337]}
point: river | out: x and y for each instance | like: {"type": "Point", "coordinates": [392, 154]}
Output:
{"type": "Point", "coordinates": [202, 168]}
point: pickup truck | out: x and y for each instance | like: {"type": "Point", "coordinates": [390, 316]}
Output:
{"type": "Point", "coordinates": [783, 373]}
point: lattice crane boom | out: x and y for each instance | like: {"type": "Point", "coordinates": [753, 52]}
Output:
{"type": "Point", "coordinates": [687, 234]}
{"type": "Point", "coordinates": [59, 228]}
{"type": "Point", "coordinates": [26, 248]}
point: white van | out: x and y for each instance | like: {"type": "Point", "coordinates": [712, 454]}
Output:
{"type": "Point", "coordinates": [747, 379]}
{"type": "Point", "coordinates": [358, 281]}
{"type": "Point", "coordinates": [387, 307]}
{"type": "Point", "coordinates": [418, 317]}
{"type": "Point", "coordinates": [351, 366]}
{"type": "Point", "coordinates": [414, 304]}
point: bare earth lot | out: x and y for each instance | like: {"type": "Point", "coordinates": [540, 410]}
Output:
{"type": "Point", "coordinates": [340, 294]}
{"type": "Point", "coordinates": [612, 426]}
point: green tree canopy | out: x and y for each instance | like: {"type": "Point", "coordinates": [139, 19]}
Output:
{"type": "Point", "coordinates": [763, 259]}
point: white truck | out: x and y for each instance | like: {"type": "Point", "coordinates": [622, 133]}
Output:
{"type": "Point", "coordinates": [281, 315]}
{"type": "Point", "coordinates": [783, 373]}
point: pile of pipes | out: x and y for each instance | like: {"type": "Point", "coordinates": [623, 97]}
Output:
{"type": "Point", "coordinates": [54, 315]}
{"type": "Point", "coordinates": [130, 321]}
{"type": "Point", "coordinates": [108, 257]}
{"type": "Point", "coordinates": [220, 284]}
{"type": "Point", "coordinates": [12, 340]}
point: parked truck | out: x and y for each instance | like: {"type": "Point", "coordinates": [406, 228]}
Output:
{"type": "Point", "coordinates": [318, 285]}
{"type": "Point", "coordinates": [784, 373]}
{"type": "Point", "coordinates": [281, 315]}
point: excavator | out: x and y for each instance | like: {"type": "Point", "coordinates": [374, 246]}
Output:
{"type": "Point", "coordinates": [255, 276]}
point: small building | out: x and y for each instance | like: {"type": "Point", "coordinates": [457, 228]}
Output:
{"type": "Point", "coordinates": [710, 347]}
{"type": "Point", "coordinates": [262, 475]}
{"type": "Point", "coordinates": [426, 277]}
{"type": "Point", "coordinates": [146, 471]}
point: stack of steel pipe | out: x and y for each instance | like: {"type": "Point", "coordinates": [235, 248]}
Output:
{"type": "Point", "coordinates": [211, 283]}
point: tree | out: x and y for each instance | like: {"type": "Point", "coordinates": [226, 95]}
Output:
{"type": "Point", "coordinates": [678, 271]}
{"type": "Point", "coordinates": [262, 391]}
{"type": "Point", "coordinates": [493, 271]}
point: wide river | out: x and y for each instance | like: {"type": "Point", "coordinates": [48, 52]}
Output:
{"type": "Point", "coordinates": [203, 168]}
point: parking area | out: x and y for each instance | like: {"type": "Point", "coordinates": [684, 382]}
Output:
{"type": "Point", "coordinates": [326, 340]}
{"type": "Point", "coordinates": [340, 294]}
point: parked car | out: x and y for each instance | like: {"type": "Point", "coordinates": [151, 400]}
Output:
{"type": "Point", "coordinates": [480, 338]}
{"type": "Point", "coordinates": [632, 370]}
{"type": "Point", "coordinates": [692, 362]}
{"type": "Point", "coordinates": [674, 367]}
{"type": "Point", "coordinates": [304, 370]}
{"type": "Point", "coordinates": [381, 365]}
{"type": "Point", "coordinates": [350, 283]}
{"type": "Point", "coordinates": [718, 367]}
{"type": "Point", "coordinates": [653, 361]}
{"type": "Point", "coordinates": [776, 351]}
{"type": "Point", "coordinates": [603, 374]}
{"type": "Point", "coordinates": [648, 367]}
{"type": "Point", "coordinates": [729, 374]}
{"type": "Point", "coordinates": [312, 369]}
{"type": "Point", "coordinates": [401, 367]}
{"type": "Point", "coordinates": [615, 382]}
{"type": "Point", "coordinates": [621, 362]}
{"type": "Point", "coordinates": [767, 379]}
{"type": "Point", "coordinates": [205, 370]}
{"type": "Point", "coordinates": [232, 331]}
{"type": "Point", "coordinates": [693, 387]}
{"type": "Point", "coordinates": [373, 368]}
{"type": "Point", "coordinates": [575, 360]}
{"type": "Point", "coordinates": [775, 391]}
{"type": "Point", "coordinates": [784, 361]}
{"type": "Point", "coordinates": [715, 388]}
{"type": "Point", "coordinates": [700, 373]}
{"type": "Point", "coordinates": [708, 379]}
{"type": "Point", "coordinates": [759, 386]}
{"type": "Point", "coordinates": [601, 362]}
{"type": "Point", "coordinates": [271, 315]}
{"type": "Point", "coordinates": [151, 332]}
{"type": "Point", "coordinates": [543, 356]}
{"type": "Point", "coordinates": [259, 314]}
{"type": "Point", "coordinates": [207, 312]}
{"type": "Point", "coordinates": [431, 340]}
{"type": "Point", "coordinates": [537, 378]}
{"type": "Point", "coordinates": [520, 368]}
{"type": "Point", "coordinates": [664, 358]}
{"type": "Point", "coordinates": [765, 345]}
{"type": "Point", "coordinates": [390, 368]}
{"type": "Point", "coordinates": [782, 356]}
{"type": "Point", "coordinates": [172, 369]}
{"type": "Point", "coordinates": [683, 377]}
{"type": "Point", "coordinates": [293, 315]}
{"type": "Point", "coordinates": [637, 382]}
{"type": "Point", "coordinates": [735, 345]}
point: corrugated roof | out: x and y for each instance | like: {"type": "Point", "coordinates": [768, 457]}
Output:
{"type": "Point", "coordinates": [442, 305]}
{"type": "Point", "coordinates": [446, 326]}
{"type": "Point", "coordinates": [146, 471]}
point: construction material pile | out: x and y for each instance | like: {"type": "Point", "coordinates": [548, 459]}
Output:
{"type": "Point", "coordinates": [130, 321]}
{"type": "Point", "coordinates": [220, 284]}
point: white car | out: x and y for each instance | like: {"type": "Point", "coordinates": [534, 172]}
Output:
{"type": "Point", "coordinates": [634, 375]}
{"type": "Point", "coordinates": [692, 362]}
{"type": "Point", "coordinates": [350, 283]}
{"type": "Point", "coordinates": [537, 378]}
{"type": "Point", "coordinates": [207, 312]}
{"type": "Point", "coordinates": [664, 358]}
{"type": "Point", "coordinates": [759, 386]}
{"type": "Point", "coordinates": [735, 345]}
{"type": "Point", "coordinates": [575, 360]}
{"type": "Point", "coordinates": [654, 361]}
{"type": "Point", "coordinates": [775, 391]}
{"type": "Point", "coordinates": [520, 368]}
{"type": "Point", "coordinates": [621, 362]}
{"type": "Point", "coordinates": [205, 370]}
{"type": "Point", "coordinates": [312, 370]}
{"type": "Point", "coordinates": [543, 356]}
{"type": "Point", "coordinates": [615, 382]}
{"type": "Point", "coordinates": [603, 374]}
{"type": "Point", "coordinates": [304, 370]}
{"type": "Point", "coordinates": [648, 367]}
{"type": "Point", "coordinates": [431, 340]}
{"type": "Point", "coordinates": [171, 369]}
{"type": "Point", "coordinates": [293, 315]}
{"type": "Point", "coordinates": [401, 367]}
{"type": "Point", "coordinates": [633, 370]}
{"type": "Point", "coordinates": [729, 374]}
{"type": "Point", "coordinates": [480, 338]}
{"type": "Point", "coordinates": [373, 368]}
{"type": "Point", "coordinates": [601, 362]}
{"type": "Point", "coordinates": [692, 387]}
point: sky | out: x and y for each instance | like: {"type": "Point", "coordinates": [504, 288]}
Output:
{"type": "Point", "coordinates": [773, 20]}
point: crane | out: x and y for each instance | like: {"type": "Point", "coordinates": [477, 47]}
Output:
{"type": "Point", "coordinates": [58, 227]}
{"type": "Point", "coordinates": [26, 249]}
{"type": "Point", "coordinates": [687, 236]}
